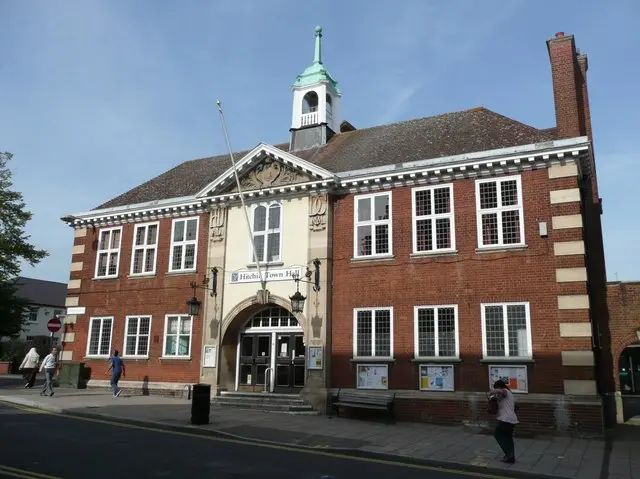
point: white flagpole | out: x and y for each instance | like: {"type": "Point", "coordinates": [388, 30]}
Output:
{"type": "Point", "coordinates": [263, 279]}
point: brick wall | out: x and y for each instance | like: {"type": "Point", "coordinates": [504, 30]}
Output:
{"type": "Point", "coordinates": [624, 313]}
{"type": "Point", "coordinates": [467, 279]}
{"type": "Point", "coordinates": [157, 295]}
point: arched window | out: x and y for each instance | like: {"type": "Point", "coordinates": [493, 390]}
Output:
{"type": "Point", "coordinates": [310, 103]}
{"type": "Point", "coordinates": [329, 107]}
{"type": "Point", "coordinates": [266, 232]}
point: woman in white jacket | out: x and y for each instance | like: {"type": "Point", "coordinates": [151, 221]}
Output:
{"type": "Point", "coordinates": [29, 367]}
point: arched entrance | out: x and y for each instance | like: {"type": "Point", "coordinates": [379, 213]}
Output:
{"type": "Point", "coordinates": [268, 351]}
{"type": "Point", "coordinates": [629, 377]}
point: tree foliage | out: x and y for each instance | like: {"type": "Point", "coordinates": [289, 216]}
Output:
{"type": "Point", "coordinates": [14, 248]}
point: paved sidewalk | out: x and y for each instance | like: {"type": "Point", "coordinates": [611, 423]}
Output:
{"type": "Point", "coordinates": [551, 456]}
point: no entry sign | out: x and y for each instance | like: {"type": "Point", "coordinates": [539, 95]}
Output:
{"type": "Point", "coordinates": [54, 325]}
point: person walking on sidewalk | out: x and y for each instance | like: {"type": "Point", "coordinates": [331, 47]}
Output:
{"type": "Point", "coordinates": [507, 419]}
{"type": "Point", "coordinates": [50, 366]}
{"type": "Point", "coordinates": [29, 367]}
{"type": "Point", "coordinates": [117, 366]}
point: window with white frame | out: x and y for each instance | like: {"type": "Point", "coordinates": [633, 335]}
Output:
{"type": "Point", "coordinates": [372, 225]}
{"type": "Point", "coordinates": [108, 253]}
{"type": "Point", "coordinates": [436, 331]}
{"type": "Point", "coordinates": [433, 223]}
{"type": "Point", "coordinates": [184, 244]}
{"type": "Point", "coordinates": [267, 233]}
{"type": "Point", "coordinates": [100, 330]}
{"type": "Point", "coordinates": [506, 330]}
{"type": "Point", "coordinates": [33, 314]}
{"type": "Point", "coordinates": [145, 242]}
{"type": "Point", "coordinates": [499, 212]}
{"type": "Point", "coordinates": [177, 336]}
{"type": "Point", "coordinates": [373, 332]}
{"type": "Point", "coordinates": [136, 336]}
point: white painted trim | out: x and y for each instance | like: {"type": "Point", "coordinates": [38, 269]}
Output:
{"type": "Point", "coordinates": [137, 335]}
{"type": "Point", "coordinates": [433, 217]}
{"type": "Point", "coordinates": [108, 252]}
{"type": "Point", "coordinates": [164, 336]}
{"type": "Point", "coordinates": [416, 342]}
{"type": "Point", "coordinates": [372, 223]}
{"type": "Point", "coordinates": [499, 210]}
{"type": "Point", "coordinates": [184, 243]}
{"type": "Point", "coordinates": [498, 160]}
{"type": "Point", "coordinates": [373, 332]}
{"type": "Point", "coordinates": [257, 153]}
{"type": "Point", "coordinates": [144, 247]}
{"type": "Point", "coordinates": [101, 319]}
{"type": "Point", "coordinates": [483, 306]}
{"type": "Point", "coordinates": [471, 160]}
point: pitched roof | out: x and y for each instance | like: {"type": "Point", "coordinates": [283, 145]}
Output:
{"type": "Point", "coordinates": [41, 292]}
{"type": "Point", "coordinates": [434, 137]}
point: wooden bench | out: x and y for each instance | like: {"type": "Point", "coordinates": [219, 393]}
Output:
{"type": "Point", "coordinates": [375, 400]}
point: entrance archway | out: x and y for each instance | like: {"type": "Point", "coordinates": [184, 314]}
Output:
{"type": "Point", "coordinates": [629, 377]}
{"type": "Point", "coordinates": [263, 350]}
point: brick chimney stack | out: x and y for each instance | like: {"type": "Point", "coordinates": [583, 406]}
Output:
{"type": "Point", "coordinates": [569, 74]}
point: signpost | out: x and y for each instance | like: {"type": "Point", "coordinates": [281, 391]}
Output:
{"type": "Point", "coordinates": [53, 325]}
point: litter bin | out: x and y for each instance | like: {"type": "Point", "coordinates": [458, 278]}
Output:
{"type": "Point", "coordinates": [200, 404]}
{"type": "Point", "coordinates": [71, 374]}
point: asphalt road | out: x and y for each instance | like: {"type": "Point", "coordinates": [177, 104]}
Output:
{"type": "Point", "coordinates": [49, 446]}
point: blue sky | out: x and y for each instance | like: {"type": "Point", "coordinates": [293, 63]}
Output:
{"type": "Point", "coordinates": [97, 96]}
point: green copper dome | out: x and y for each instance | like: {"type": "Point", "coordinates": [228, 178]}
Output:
{"type": "Point", "coordinates": [316, 72]}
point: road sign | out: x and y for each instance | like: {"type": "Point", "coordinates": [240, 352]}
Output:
{"type": "Point", "coordinates": [54, 325]}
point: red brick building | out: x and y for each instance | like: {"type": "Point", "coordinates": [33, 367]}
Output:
{"type": "Point", "coordinates": [451, 251]}
{"type": "Point", "coordinates": [623, 298]}
{"type": "Point", "coordinates": [467, 248]}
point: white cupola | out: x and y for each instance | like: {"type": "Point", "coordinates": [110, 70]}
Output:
{"type": "Point", "coordinates": [316, 103]}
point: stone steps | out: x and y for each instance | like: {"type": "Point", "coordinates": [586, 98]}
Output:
{"type": "Point", "coordinates": [272, 402]}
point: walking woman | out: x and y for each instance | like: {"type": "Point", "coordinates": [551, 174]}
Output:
{"type": "Point", "coordinates": [29, 367]}
{"type": "Point", "coordinates": [507, 419]}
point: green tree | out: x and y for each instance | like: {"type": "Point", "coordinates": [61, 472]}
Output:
{"type": "Point", "coordinates": [14, 248]}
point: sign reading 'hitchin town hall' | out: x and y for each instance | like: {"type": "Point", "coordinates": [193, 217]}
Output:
{"type": "Point", "coordinates": [271, 275]}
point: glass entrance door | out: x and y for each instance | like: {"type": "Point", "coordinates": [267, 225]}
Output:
{"type": "Point", "coordinates": [629, 371]}
{"type": "Point", "coordinates": [255, 358]}
{"type": "Point", "coordinates": [290, 362]}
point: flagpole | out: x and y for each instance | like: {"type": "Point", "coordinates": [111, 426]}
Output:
{"type": "Point", "coordinates": [263, 280]}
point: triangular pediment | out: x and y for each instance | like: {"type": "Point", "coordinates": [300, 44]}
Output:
{"type": "Point", "coordinates": [266, 167]}
{"type": "Point", "coordinates": [267, 173]}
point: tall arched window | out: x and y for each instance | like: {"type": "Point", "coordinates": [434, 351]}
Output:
{"type": "Point", "coordinates": [267, 222]}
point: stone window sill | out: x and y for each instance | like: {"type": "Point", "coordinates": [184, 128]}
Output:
{"type": "Point", "coordinates": [501, 248]}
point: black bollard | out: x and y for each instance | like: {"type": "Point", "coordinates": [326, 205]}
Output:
{"type": "Point", "coordinates": [200, 404]}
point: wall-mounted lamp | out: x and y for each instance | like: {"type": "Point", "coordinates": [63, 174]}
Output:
{"type": "Point", "coordinates": [298, 299]}
{"type": "Point", "coordinates": [193, 303]}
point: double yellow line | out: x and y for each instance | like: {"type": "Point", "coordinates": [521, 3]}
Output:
{"type": "Point", "coordinates": [23, 473]}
